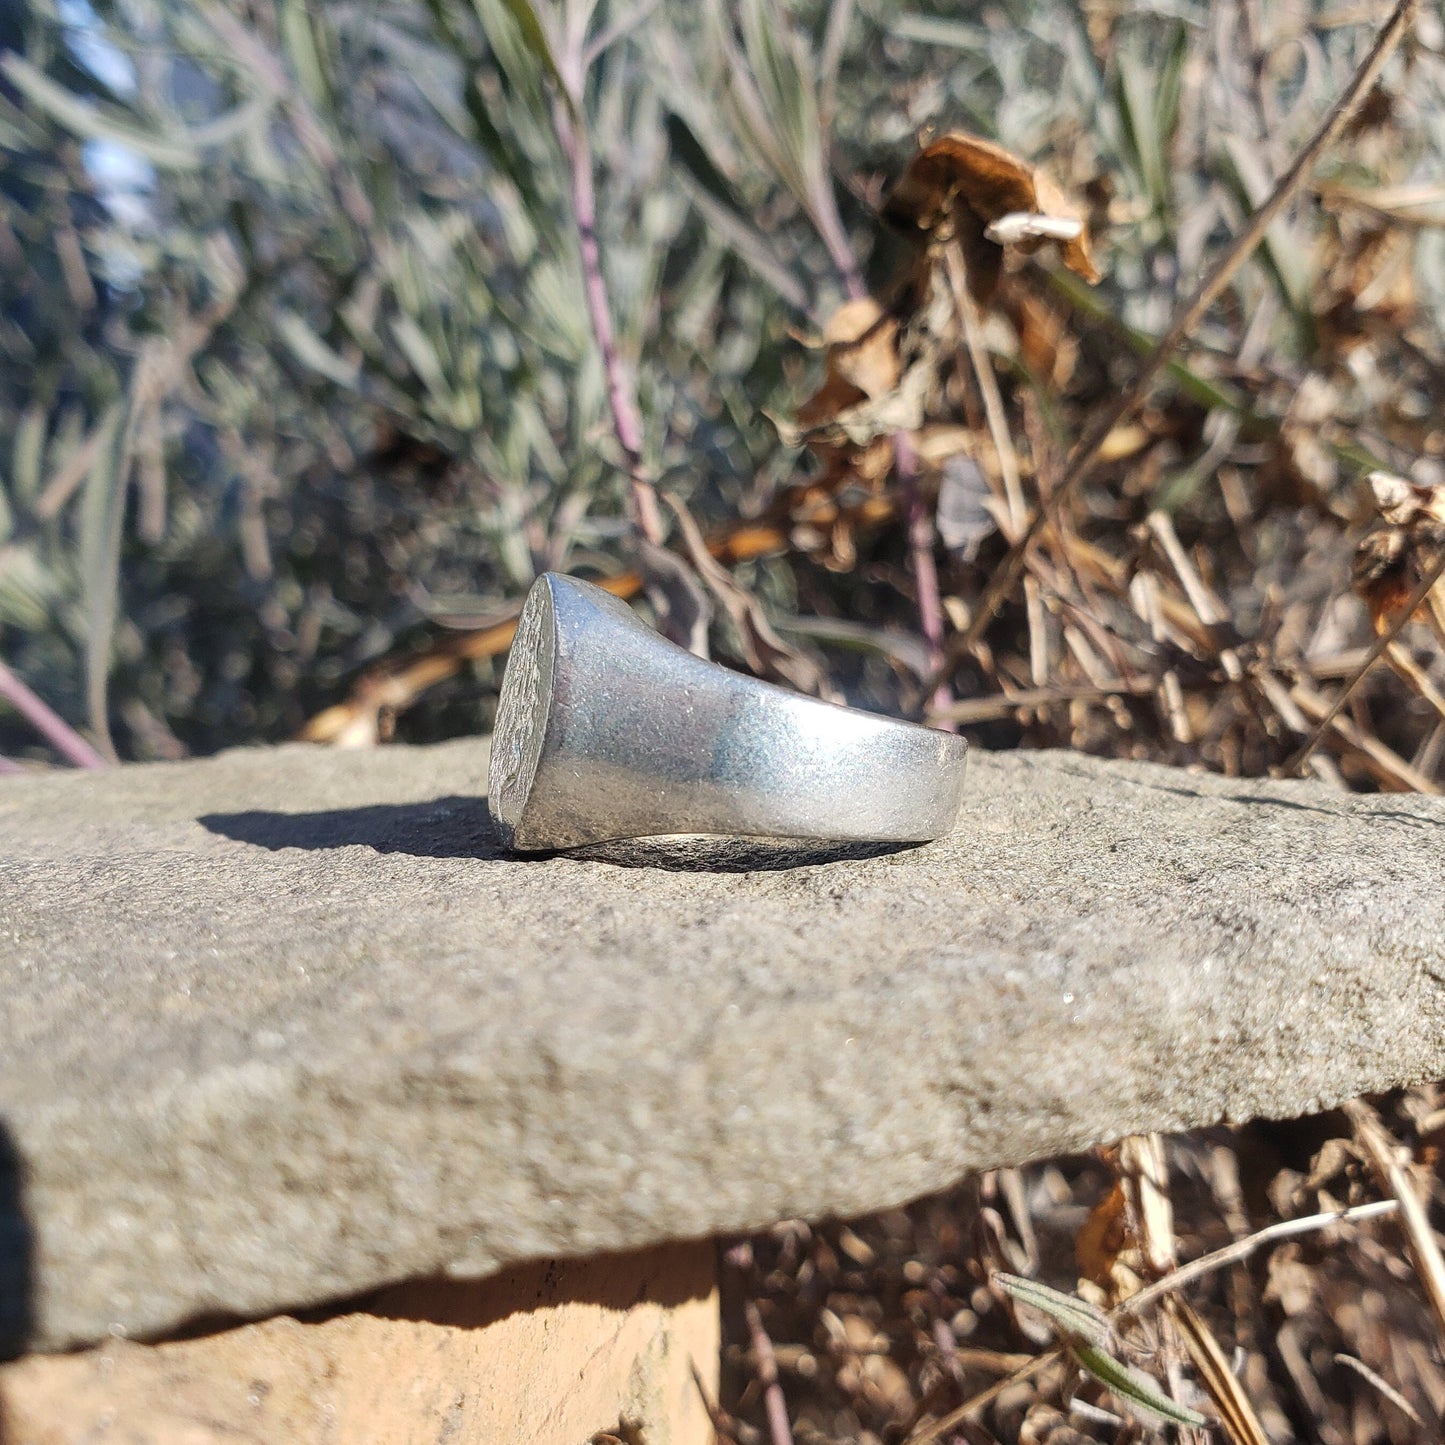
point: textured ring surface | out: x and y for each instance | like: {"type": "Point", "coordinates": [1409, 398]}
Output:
{"type": "Point", "coordinates": [607, 731]}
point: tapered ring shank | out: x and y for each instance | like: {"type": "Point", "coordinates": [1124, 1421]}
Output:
{"type": "Point", "coordinates": [606, 731]}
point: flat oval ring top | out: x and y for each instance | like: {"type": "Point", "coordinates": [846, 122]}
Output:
{"type": "Point", "coordinates": [607, 731]}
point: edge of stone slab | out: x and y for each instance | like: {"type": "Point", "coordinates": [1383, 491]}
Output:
{"type": "Point", "coordinates": [465, 756]}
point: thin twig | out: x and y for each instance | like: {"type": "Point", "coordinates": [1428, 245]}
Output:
{"type": "Point", "coordinates": [1416, 677]}
{"type": "Point", "coordinates": [1084, 456]}
{"type": "Point", "coordinates": [48, 723]}
{"type": "Point", "coordinates": [775, 1403]}
{"type": "Point", "coordinates": [937, 1429]}
{"type": "Point", "coordinates": [925, 572]}
{"type": "Point", "coordinates": [1383, 1386]}
{"type": "Point", "coordinates": [1143, 1171]}
{"type": "Point", "coordinates": [1381, 760]}
{"type": "Point", "coordinates": [985, 709]}
{"type": "Point", "coordinates": [1381, 644]}
{"type": "Point", "coordinates": [621, 391]}
{"type": "Point", "coordinates": [1241, 1249]}
{"type": "Point", "coordinates": [993, 408]}
{"type": "Point", "coordinates": [1196, 1269]}
{"type": "Point", "coordinates": [1382, 1152]}
{"type": "Point", "coordinates": [725, 1427]}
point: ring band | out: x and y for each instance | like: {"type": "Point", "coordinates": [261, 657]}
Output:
{"type": "Point", "coordinates": [607, 731]}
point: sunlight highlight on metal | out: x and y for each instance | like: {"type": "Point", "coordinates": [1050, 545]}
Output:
{"type": "Point", "coordinates": [608, 731]}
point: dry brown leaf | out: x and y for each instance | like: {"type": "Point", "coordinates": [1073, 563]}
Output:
{"type": "Point", "coordinates": [862, 342]}
{"type": "Point", "coordinates": [831, 400]}
{"type": "Point", "coordinates": [848, 422]}
{"type": "Point", "coordinates": [1403, 503]}
{"type": "Point", "coordinates": [1366, 281]}
{"type": "Point", "coordinates": [1046, 340]}
{"type": "Point", "coordinates": [973, 183]}
{"type": "Point", "coordinates": [862, 362]}
{"type": "Point", "coordinates": [866, 398]}
{"type": "Point", "coordinates": [1391, 563]}
{"type": "Point", "coordinates": [1103, 1237]}
{"type": "Point", "coordinates": [990, 180]}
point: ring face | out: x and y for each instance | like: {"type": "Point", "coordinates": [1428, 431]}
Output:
{"type": "Point", "coordinates": [521, 725]}
{"type": "Point", "coordinates": [606, 731]}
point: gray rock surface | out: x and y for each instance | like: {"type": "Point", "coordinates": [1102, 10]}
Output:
{"type": "Point", "coordinates": [282, 1025]}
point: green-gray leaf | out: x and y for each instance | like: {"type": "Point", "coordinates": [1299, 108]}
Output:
{"type": "Point", "coordinates": [525, 15]}
{"type": "Point", "coordinates": [1131, 1385]}
{"type": "Point", "coordinates": [1077, 1321]}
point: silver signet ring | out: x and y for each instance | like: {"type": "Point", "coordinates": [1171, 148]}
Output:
{"type": "Point", "coordinates": [607, 731]}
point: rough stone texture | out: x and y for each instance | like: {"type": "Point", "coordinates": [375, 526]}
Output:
{"type": "Point", "coordinates": [548, 1354]}
{"type": "Point", "coordinates": [281, 1026]}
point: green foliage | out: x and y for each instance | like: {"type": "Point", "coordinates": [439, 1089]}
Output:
{"type": "Point", "coordinates": [1089, 1337]}
{"type": "Point", "coordinates": [333, 362]}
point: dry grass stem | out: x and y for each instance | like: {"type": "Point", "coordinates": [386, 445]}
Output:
{"type": "Point", "coordinates": [1236, 1413]}
{"type": "Point", "coordinates": [1241, 1250]}
{"type": "Point", "coordinates": [1188, 316]}
{"type": "Point", "coordinates": [1385, 765]}
{"type": "Point", "coordinates": [993, 406]}
{"type": "Point", "coordinates": [1384, 641]}
{"type": "Point", "coordinates": [937, 1429]}
{"type": "Point", "coordinates": [1383, 1386]}
{"type": "Point", "coordinates": [1384, 1155]}
{"type": "Point", "coordinates": [780, 1432]}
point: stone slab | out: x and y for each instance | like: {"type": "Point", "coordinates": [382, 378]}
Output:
{"type": "Point", "coordinates": [550, 1354]}
{"type": "Point", "coordinates": [281, 1026]}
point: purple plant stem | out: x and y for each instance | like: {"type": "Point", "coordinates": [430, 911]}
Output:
{"type": "Point", "coordinates": [48, 723]}
{"type": "Point", "coordinates": [775, 1404]}
{"type": "Point", "coordinates": [835, 238]}
{"type": "Point", "coordinates": [621, 394]}
{"type": "Point", "coordinates": [920, 524]}
{"type": "Point", "coordinates": [925, 569]}
{"type": "Point", "coordinates": [774, 1401]}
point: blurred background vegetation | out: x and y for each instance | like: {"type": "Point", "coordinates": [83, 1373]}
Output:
{"type": "Point", "coordinates": [296, 371]}
{"type": "Point", "coordinates": [299, 390]}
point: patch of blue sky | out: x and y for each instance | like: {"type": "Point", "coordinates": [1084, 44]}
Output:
{"type": "Point", "coordinates": [123, 179]}
{"type": "Point", "coordinates": [85, 35]}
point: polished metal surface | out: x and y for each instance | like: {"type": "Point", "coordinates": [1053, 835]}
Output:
{"type": "Point", "coordinates": [607, 731]}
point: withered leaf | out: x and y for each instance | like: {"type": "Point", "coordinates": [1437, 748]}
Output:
{"type": "Point", "coordinates": [1391, 563]}
{"type": "Point", "coordinates": [862, 361]}
{"type": "Point", "coordinates": [1416, 505]}
{"type": "Point", "coordinates": [863, 399]}
{"type": "Point", "coordinates": [973, 183]}
{"type": "Point", "coordinates": [862, 342]}
{"type": "Point", "coordinates": [1103, 1237]}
